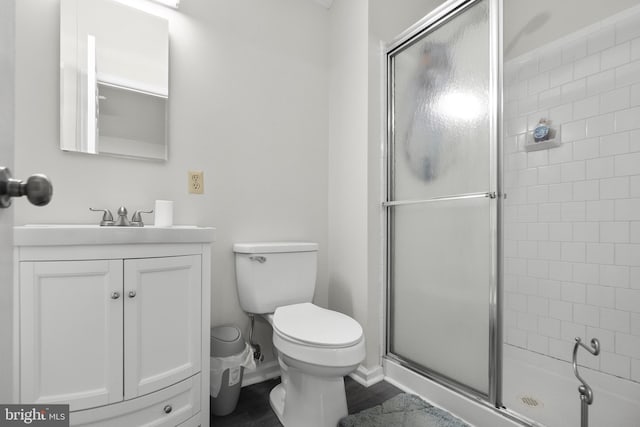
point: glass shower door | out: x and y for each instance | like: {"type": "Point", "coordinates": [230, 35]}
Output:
{"type": "Point", "coordinates": [441, 202]}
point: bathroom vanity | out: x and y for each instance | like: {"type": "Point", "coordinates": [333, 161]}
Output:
{"type": "Point", "coordinates": [114, 321]}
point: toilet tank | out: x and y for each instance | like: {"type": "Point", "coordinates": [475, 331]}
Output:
{"type": "Point", "coordinates": [270, 275]}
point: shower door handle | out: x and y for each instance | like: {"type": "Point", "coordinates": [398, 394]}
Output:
{"type": "Point", "coordinates": [37, 188]}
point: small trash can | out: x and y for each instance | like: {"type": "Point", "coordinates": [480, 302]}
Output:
{"type": "Point", "coordinates": [228, 354]}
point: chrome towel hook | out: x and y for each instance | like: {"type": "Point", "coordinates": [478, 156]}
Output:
{"type": "Point", "coordinates": [586, 393]}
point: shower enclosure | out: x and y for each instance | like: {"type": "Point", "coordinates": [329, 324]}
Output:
{"type": "Point", "coordinates": [502, 251]}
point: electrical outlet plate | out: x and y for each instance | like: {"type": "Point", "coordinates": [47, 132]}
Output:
{"type": "Point", "coordinates": [196, 182]}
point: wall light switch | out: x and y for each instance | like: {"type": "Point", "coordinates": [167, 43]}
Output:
{"type": "Point", "coordinates": [196, 182]}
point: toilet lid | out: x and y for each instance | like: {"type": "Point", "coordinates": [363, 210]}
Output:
{"type": "Point", "coordinates": [316, 326]}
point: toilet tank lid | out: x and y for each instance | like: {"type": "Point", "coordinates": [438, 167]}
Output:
{"type": "Point", "coordinates": [274, 247]}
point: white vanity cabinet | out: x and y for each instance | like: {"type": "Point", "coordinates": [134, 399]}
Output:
{"type": "Point", "coordinates": [118, 331]}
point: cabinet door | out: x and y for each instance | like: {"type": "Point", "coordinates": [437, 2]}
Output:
{"type": "Point", "coordinates": [71, 332]}
{"type": "Point", "coordinates": [162, 322]}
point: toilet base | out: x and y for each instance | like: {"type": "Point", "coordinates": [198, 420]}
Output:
{"type": "Point", "coordinates": [307, 400]}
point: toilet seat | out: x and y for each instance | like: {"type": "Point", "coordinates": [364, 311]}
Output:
{"type": "Point", "coordinates": [308, 324]}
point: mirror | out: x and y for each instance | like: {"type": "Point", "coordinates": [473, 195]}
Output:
{"type": "Point", "coordinates": [114, 80]}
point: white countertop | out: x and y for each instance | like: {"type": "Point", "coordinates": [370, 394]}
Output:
{"type": "Point", "coordinates": [88, 234]}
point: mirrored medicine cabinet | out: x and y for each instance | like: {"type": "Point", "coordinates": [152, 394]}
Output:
{"type": "Point", "coordinates": [114, 80]}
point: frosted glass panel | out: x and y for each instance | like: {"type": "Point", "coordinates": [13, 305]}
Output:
{"type": "Point", "coordinates": [441, 275]}
{"type": "Point", "coordinates": [441, 110]}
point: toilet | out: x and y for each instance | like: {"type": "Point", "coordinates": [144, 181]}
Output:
{"type": "Point", "coordinates": [315, 347]}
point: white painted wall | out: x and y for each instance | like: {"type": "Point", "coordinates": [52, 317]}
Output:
{"type": "Point", "coordinates": [248, 106]}
{"type": "Point", "coordinates": [6, 215]}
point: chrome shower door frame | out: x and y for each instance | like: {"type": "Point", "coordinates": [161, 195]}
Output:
{"type": "Point", "coordinates": [438, 17]}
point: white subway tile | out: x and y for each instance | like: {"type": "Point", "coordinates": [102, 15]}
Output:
{"type": "Point", "coordinates": [634, 277]}
{"type": "Point", "coordinates": [517, 196]}
{"type": "Point", "coordinates": [538, 194]}
{"type": "Point", "coordinates": [614, 188]}
{"type": "Point", "coordinates": [586, 149]}
{"type": "Point", "coordinates": [515, 266]}
{"type": "Point", "coordinates": [586, 315]}
{"type": "Point", "coordinates": [550, 288]}
{"type": "Point", "coordinates": [527, 249]}
{"type": "Point", "coordinates": [614, 232]}
{"type": "Point", "coordinates": [560, 270]}
{"type": "Point", "coordinates": [634, 186]}
{"type": "Point", "coordinates": [586, 190]}
{"type": "Point", "coordinates": [571, 330]}
{"type": "Point", "coordinates": [615, 100]}
{"type": "Point", "coordinates": [627, 209]}
{"type": "Point", "coordinates": [537, 343]}
{"type": "Point", "coordinates": [634, 96]}
{"type": "Point", "coordinates": [573, 131]}
{"type": "Point", "coordinates": [634, 236]}
{"type": "Point", "coordinates": [574, 252]}
{"type": "Point", "coordinates": [528, 68]}
{"type": "Point", "coordinates": [574, 292]}
{"type": "Point", "coordinates": [628, 254]}
{"type": "Point", "coordinates": [561, 75]}
{"type": "Point", "coordinates": [635, 49]}
{"type": "Point", "coordinates": [516, 125]}
{"type": "Point", "coordinates": [527, 177]}
{"type": "Point", "coordinates": [515, 231]}
{"type": "Point", "coordinates": [538, 83]}
{"type": "Point", "coordinates": [602, 167]}
{"type": "Point", "coordinates": [635, 369]}
{"type": "Point", "coordinates": [527, 105]}
{"type": "Point", "coordinates": [574, 50]}
{"type": "Point", "coordinates": [628, 345]}
{"type": "Point", "coordinates": [601, 39]}
{"type": "Point", "coordinates": [615, 364]}
{"type": "Point", "coordinates": [600, 253]}
{"type": "Point", "coordinates": [538, 231]}
{"type": "Point", "coordinates": [601, 296]}
{"type": "Point", "coordinates": [628, 74]}
{"type": "Point", "coordinates": [538, 268]}
{"type": "Point", "coordinates": [517, 337]}
{"type": "Point", "coordinates": [560, 310]}
{"type": "Point", "coordinates": [572, 171]}
{"type": "Point", "coordinates": [615, 56]}
{"type": "Point", "coordinates": [627, 164]}
{"type": "Point", "coordinates": [628, 119]}
{"type": "Point", "coordinates": [615, 320]}
{"type": "Point", "coordinates": [552, 58]}
{"type": "Point", "coordinates": [515, 301]}
{"type": "Point", "coordinates": [549, 98]}
{"type": "Point", "coordinates": [528, 322]}
{"type": "Point", "coordinates": [586, 273]}
{"type": "Point", "coordinates": [600, 210]}
{"type": "Point", "coordinates": [558, 349]}
{"type": "Point", "coordinates": [527, 285]}
{"type": "Point", "coordinates": [561, 154]}
{"type": "Point", "coordinates": [548, 174]}
{"type": "Point", "coordinates": [606, 338]}
{"type": "Point", "coordinates": [617, 143]}
{"type": "Point", "coordinates": [527, 213]}
{"type": "Point", "coordinates": [627, 28]}
{"type": "Point", "coordinates": [573, 211]}
{"type": "Point", "coordinates": [550, 212]}
{"type": "Point", "coordinates": [601, 82]}
{"type": "Point", "coordinates": [586, 66]}
{"type": "Point", "coordinates": [586, 231]}
{"type": "Point", "coordinates": [549, 327]}
{"type": "Point", "coordinates": [587, 107]}
{"type": "Point", "coordinates": [563, 113]}
{"type": "Point", "coordinates": [538, 305]}
{"type": "Point", "coordinates": [600, 125]}
{"type": "Point", "coordinates": [628, 300]}
{"type": "Point", "coordinates": [614, 275]}
{"type": "Point", "coordinates": [537, 158]}
{"type": "Point", "coordinates": [561, 192]}
{"type": "Point", "coordinates": [574, 90]}
{"type": "Point", "coordinates": [635, 324]}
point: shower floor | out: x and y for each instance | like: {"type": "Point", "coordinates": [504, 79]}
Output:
{"type": "Point", "coordinates": [545, 390]}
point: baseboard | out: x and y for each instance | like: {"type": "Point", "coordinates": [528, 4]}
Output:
{"type": "Point", "coordinates": [263, 372]}
{"type": "Point", "coordinates": [367, 377]}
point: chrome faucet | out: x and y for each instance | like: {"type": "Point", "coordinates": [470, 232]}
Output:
{"type": "Point", "coordinates": [122, 221]}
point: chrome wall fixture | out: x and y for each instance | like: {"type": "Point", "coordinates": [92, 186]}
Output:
{"type": "Point", "coordinates": [586, 393]}
{"type": "Point", "coordinates": [37, 188]}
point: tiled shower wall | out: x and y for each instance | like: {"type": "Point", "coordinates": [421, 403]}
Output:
{"type": "Point", "coordinates": [572, 213]}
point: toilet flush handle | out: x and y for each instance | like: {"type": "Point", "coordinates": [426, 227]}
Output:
{"type": "Point", "coordinates": [261, 259]}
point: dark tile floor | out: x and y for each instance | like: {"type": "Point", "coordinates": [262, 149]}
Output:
{"type": "Point", "coordinates": [253, 408]}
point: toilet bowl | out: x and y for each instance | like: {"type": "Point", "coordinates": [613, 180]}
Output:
{"type": "Point", "coordinates": [315, 347]}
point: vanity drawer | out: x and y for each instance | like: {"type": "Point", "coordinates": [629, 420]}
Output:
{"type": "Point", "coordinates": [167, 407]}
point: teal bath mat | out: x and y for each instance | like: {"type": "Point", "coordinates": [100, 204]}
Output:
{"type": "Point", "coordinates": [402, 410]}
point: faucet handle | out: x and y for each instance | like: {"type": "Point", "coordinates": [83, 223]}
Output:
{"type": "Point", "coordinates": [136, 219]}
{"type": "Point", "coordinates": [107, 217]}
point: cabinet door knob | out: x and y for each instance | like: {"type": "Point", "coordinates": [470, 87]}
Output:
{"type": "Point", "coordinates": [115, 295]}
{"type": "Point", "coordinates": [132, 294]}
{"type": "Point", "coordinates": [167, 409]}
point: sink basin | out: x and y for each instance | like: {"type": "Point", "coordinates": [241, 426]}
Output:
{"type": "Point", "coordinates": [91, 234]}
